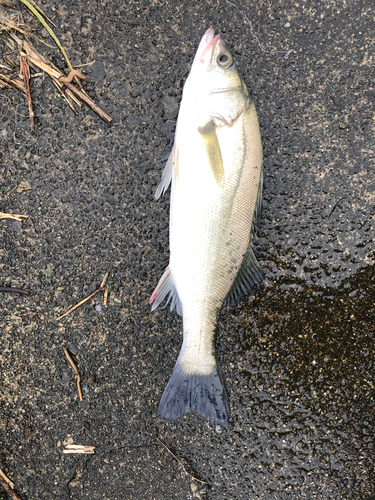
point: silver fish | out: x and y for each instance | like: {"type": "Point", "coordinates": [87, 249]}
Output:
{"type": "Point", "coordinates": [215, 168]}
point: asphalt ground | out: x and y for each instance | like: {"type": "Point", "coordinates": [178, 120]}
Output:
{"type": "Point", "coordinates": [298, 359]}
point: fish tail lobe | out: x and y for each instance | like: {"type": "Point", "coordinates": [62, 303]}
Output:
{"type": "Point", "coordinates": [200, 392]}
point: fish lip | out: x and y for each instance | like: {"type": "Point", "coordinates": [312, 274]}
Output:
{"type": "Point", "coordinates": [207, 45]}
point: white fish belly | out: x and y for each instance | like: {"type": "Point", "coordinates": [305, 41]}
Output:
{"type": "Point", "coordinates": [210, 229]}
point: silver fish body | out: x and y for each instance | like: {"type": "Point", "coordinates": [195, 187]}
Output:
{"type": "Point", "coordinates": [216, 172]}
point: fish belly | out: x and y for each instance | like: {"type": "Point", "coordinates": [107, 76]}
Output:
{"type": "Point", "coordinates": [210, 226]}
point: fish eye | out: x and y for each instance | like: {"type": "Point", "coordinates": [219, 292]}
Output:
{"type": "Point", "coordinates": [225, 60]}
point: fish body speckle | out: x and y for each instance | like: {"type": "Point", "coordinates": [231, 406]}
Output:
{"type": "Point", "coordinates": [215, 169]}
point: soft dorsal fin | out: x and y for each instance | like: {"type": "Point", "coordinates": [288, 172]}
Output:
{"type": "Point", "coordinates": [165, 286]}
{"type": "Point", "coordinates": [167, 174]}
{"type": "Point", "coordinates": [215, 160]}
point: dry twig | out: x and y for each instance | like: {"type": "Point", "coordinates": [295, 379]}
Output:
{"type": "Point", "coordinates": [13, 216]}
{"type": "Point", "coordinates": [8, 486]}
{"type": "Point", "coordinates": [78, 376]}
{"type": "Point", "coordinates": [79, 448]}
{"type": "Point", "coordinates": [10, 24]}
{"type": "Point", "coordinates": [2, 475]}
{"type": "Point", "coordinates": [100, 289]}
{"type": "Point", "coordinates": [182, 465]}
{"type": "Point", "coordinates": [102, 285]}
{"type": "Point", "coordinates": [26, 80]}
{"type": "Point", "coordinates": [89, 102]}
{"type": "Point", "coordinates": [14, 290]}
{"type": "Point", "coordinates": [71, 105]}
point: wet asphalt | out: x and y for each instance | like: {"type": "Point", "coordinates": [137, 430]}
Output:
{"type": "Point", "coordinates": [298, 359]}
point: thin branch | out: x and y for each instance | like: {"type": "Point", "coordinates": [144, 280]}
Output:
{"type": "Point", "coordinates": [335, 205]}
{"type": "Point", "coordinates": [8, 486]}
{"type": "Point", "coordinates": [69, 93]}
{"type": "Point", "coordinates": [70, 104]}
{"type": "Point", "coordinates": [19, 84]}
{"type": "Point", "coordinates": [89, 102]}
{"type": "Point", "coordinates": [102, 285]}
{"type": "Point", "coordinates": [14, 290]}
{"type": "Point", "coordinates": [182, 465]}
{"type": "Point", "coordinates": [2, 475]}
{"type": "Point", "coordinates": [13, 216]}
{"type": "Point", "coordinates": [79, 448]}
{"type": "Point", "coordinates": [78, 377]}
{"type": "Point", "coordinates": [100, 289]}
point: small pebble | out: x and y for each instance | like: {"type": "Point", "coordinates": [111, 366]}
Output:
{"type": "Point", "coordinates": [287, 25]}
{"type": "Point", "coordinates": [98, 308]}
{"type": "Point", "coordinates": [73, 349]}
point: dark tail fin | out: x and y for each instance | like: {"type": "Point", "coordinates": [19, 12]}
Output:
{"type": "Point", "coordinates": [204, 394]}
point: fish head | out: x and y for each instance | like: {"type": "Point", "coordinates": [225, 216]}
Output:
{"type": "Point", "coordinates": [214, 68]}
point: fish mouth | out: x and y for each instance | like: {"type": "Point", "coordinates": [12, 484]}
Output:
{"type": "Point", "coordinates": [207, 45]}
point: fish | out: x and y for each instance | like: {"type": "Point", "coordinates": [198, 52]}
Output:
{"type": "Point", "coordinates": [215, 170]}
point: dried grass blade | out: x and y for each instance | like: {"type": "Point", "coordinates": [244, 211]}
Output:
{"type": "Point", "coordinates": [70, 104]}
{"type": "Point", "coordinates": [37, 14]}
{"type": "Point", "coordinates": [13, 81]}
{"type": "Point", "coordinates": [26, 77]}
{"type": "Point", "coordinates": [43, 13]}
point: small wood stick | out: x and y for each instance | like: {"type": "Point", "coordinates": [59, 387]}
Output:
{"type": "Point", "coordinates": [6, 479]}
{"type": "Point", "coordinates": [65, 97]}
{"type": "Point", "coordinates": [8, 486]}
{"type": "Point", "coordinates": [68, 92]}
{"type": "Point", "coordinates": [78, 377]}
{"type": "Point", "coordinates": [14, 290]}
{"type": "Point", "coordinates": [79, 448]}
{"type": "Point", "coordinates": [104, 280]}
{"type": "Point", "coordinates": [100, 289]}
{"type": "Point", "coordinates": [179, 461]}
{"type": "Point", "coordinates": [12, 216]}
{"type": "Point", "coordinates": [106, 295]}
{"type": "Point", "coordinates": [81, 302]}
{"type": "Point", "coordinates": [26, 80]}
{"type": "Point", "coordinates": [89, 102]}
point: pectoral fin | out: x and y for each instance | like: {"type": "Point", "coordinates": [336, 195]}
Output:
{"type": "Point", "coordinates": [215, 160]}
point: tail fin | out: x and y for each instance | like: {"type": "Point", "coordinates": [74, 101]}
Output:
{"type": "Point", "coordinates": [204, 394]}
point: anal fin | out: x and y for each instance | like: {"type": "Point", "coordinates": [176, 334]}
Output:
{"type": "Point", "coordinates": [249, 278]}
{"type": "Point", "coordinates": [165, 286]}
